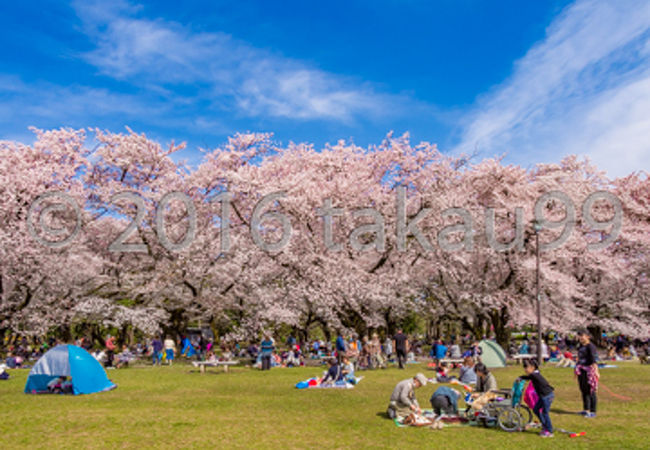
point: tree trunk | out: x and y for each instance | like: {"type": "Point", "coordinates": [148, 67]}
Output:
{"type": "Point", "coordinates": [499, 319]}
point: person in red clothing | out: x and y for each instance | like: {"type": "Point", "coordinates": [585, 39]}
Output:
{"type": "Point", "coordinates": [110, 350]}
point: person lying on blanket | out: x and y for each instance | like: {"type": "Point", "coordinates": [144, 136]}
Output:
{"type": "Point", "coordinates": [402, 400]}
{"type": "Point", "coordinates": [334, 373]}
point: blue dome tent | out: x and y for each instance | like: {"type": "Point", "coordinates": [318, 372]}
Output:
{"type": "Point", "coordinates": [88, 375]}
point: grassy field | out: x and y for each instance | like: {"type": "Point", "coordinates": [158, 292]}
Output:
{"type": "Point", "coordinates": [177, 407]}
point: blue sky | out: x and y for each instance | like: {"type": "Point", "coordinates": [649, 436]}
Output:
{"type": "Point", "coordinates": [531, 80]}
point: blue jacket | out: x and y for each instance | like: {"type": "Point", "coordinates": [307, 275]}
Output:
{"type": "Point", "coordinates": [441, 351]}
{"type": "Point", "coordinates": [340, 344]}
{"type": "Point", "coordinates": [449, 393]}
{"type": "Point", "coordinates": [266, 347]}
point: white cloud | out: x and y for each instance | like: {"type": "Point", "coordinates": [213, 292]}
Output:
{"type": "Point", "coordinates": [231, 73]}
{"type": "Point", "coordinates": [47, 101]}
{"type": "Point", "coordinates": [48, 105]}
{"type": "Point", "coordinates": [584, 89]}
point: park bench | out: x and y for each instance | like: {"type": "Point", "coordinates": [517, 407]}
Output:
{"type": "Point", "coordinates": [452, 360]}
{"type": "Point", "coordinates": [203, 364]}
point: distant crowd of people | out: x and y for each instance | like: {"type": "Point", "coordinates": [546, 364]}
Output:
{"type": "Point", "coordinates": [364, 352]}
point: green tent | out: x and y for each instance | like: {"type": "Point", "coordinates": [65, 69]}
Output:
{"type": "Point", "coordinates": [492, 354]}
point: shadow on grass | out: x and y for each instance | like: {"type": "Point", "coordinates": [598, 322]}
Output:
{"type": "Point", "coordinates": [383, 415]}
{"type": "Point", "coordinates": [564, 411]}
{"type": "Point", "coordinates": [207, 372]}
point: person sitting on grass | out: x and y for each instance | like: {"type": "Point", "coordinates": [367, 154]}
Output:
{"type": "Point", "coordinates": [545, 396]}
{"type": "Point", "coordinates": [485, 385]}
{"type": "Point", "coordinates": [467, 375]}
{"type": "Point", "coordinates": [294, 357]}
{"type": "Point", "coordinates": [644, 354]}
{"type": "Point", "coordinates": [565, 360]}
{"type": "Point", "coordinates": [124, 358]}
{"type": "Point", "coordinates": [445, 401]}
{"type": "Point", "coordinates": [402, 400]}
{"type": "Point", "coordinates": [226, 354]}
{"type": "Point", "coordinates": [442, 373]}
{"type": "Point", "coordinates": [4, 375]}
{"type": "Point", "coordinates": [348, 371]}
{"type": "Point", "coordinates": [485, 381]}
{"type": "Point", "coordinates": [334, 373]}
{"type": "Point", "coordinates": [60, 385]}
{"type": "Point", "coordinates": [11, 361]}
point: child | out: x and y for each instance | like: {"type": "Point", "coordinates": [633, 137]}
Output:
{"type": "Point", "coordinates": [545, 393]}
{"type": "Point", "coordinates": [442, 373]}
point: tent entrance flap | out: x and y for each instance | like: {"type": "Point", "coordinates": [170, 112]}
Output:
{"type": "Point", "coordinates": [38, 383]}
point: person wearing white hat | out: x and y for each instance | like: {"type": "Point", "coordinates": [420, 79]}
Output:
{"type": "Point", "coordinates": [402, 400]}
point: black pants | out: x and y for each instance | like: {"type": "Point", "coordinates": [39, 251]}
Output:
{"type": "Point", "coordinates": [401, 357]}
{"type": "Point", "coordinates": [441, 403]}
{"type": "Point", "coordinates": [110, 354]}
{"type": "Point", "coordinates": [266, 362]}
{"type": "Point", "coordinates": [588, 397]}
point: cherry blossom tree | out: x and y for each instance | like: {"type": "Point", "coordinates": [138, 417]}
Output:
{"type": "Point", "coordinates": [260, 236]}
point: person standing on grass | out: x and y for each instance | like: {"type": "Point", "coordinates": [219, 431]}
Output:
{"type": "Point", "coordinates": [156, 348]}
{"type": "Point", "coordinates": [170, 349]}
{"type": "Point", "coordinates": [388, 348]}
{"type": "Point", "coordinates": [341, 346]}
{"type": "Point", "coordinates": [544, 393]}
{"type": "Point", "coordinates": [401, 344]}
{"type": "Point", "coordinates": [454, 351]}
{"type": "Point", "coordinates": [110, 350]}
{"type": "Point", "coordinates": [587, 374]}
{"type": "Point", "coordinates": [266, 351]}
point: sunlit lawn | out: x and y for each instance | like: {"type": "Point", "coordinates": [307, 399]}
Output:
{"type": "Point", "coordinates": [176, 407]}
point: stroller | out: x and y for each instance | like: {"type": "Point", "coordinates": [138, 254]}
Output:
{"type": "Point", "coordinates": [506, 410]}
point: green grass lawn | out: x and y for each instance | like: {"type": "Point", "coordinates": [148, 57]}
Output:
{"type": "Point", "coordinates": [176, 407]}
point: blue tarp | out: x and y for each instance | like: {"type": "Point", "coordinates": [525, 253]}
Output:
{"type": "Point", "coordinates": [88, 375]}
{"type": "Point", "coordinates": [188, 347]}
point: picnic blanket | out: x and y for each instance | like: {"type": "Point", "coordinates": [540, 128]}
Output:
{"type": "Point", "coordinates": [314, 383]}
{"type": "Point", "coordinates": [429, 419]}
